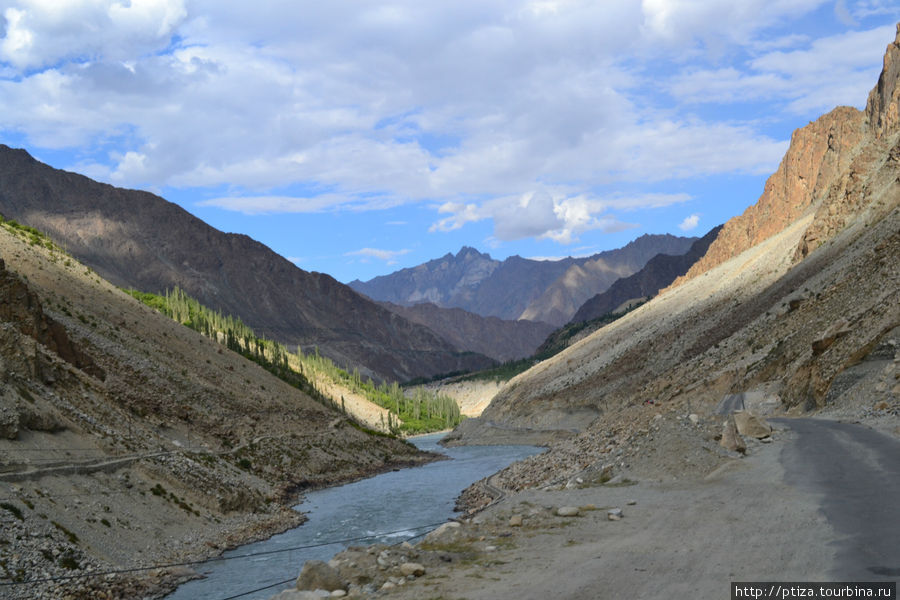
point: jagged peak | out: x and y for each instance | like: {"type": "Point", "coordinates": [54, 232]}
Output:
{"type": "Point", "coordinates": [883, 106]}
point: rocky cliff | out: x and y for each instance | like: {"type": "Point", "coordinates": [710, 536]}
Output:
{"type": "Point", "coordinates": [139, 240]}
{"type": "Point", "coordinates": [797, 300]}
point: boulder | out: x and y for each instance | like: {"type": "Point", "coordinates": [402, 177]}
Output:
{"type": "Point", "coordinates": [317, 575]}
{"type": "Point", "coordinates": [515, 521]}
{"type": "Point", "coordinates": [411, 568]}
{"type": "Point", "coordinates": [443, 534]}
{"type": "Point", "coordinates": [731, 439]}
{"type": "Point", "coordinates": [614, 514]}
{"type": "Point", "coordinates": [750, 425]}
{"type": "Point", "coordinates": [568, 511]}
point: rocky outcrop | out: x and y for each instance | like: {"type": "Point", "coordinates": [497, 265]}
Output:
{"type": "Point", "coordinates": [883, 106]}
{"type": "Point", "coordinates": [20, 306]}
{"type": "Point", "coordinates": [497, 338]}
{"type": "Point", "coordinates": [819, 153]}
{"type": "Point", "coordinates": [139, 240]}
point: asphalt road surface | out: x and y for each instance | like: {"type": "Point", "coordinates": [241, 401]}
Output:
{"type": "Point", "coordinates": [856, 472]}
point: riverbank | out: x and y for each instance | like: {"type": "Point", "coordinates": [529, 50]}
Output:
{"type": "Point", "coordinates": [689, 535]}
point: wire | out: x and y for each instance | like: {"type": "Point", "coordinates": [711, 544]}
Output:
{"type": "Point", "coordinates": [218, 558]}
{"type": "Point", "coordinates": [242, 594]}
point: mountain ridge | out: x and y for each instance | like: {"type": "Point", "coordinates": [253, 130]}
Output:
{"type": "Point", "coordinates": [137, 239]}
{"type": "Point", "coordinates": [516, 288]}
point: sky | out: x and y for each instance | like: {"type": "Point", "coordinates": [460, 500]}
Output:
{"type": "Point", "coordinates": [359, 137]}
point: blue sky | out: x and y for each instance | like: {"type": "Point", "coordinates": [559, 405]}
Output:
{"type": "Point", "coordinates": [357, 138]}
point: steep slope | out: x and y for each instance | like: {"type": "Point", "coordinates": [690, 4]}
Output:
{"type": "Point", "coordinates": [136, 239]}
{"type": "Point", "coordinates": [559, 302]}
{"type": "Point", "coordinates": [660, 271]}
{"type": "Point", "coordinates": [792, 299]}
{"type": "Point", "coordinates": [517, 288]}
{"type": "Point", "coordinates": [128, 439]}
{"type": "Point", "coordinates": [490, 336]}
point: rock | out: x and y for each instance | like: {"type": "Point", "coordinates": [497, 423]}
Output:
{"type": "Point", "coordinates": [388, 585]}
{"type": "Point", "coordinates": [515, 521]}
{"type": "Point", "coordinates": [567, 511]}
{"type": "Point", "coordinates": [731, 439]}
{"type": "Point", "coordinates": [300, 595]}
{"type": "Point", "coordinates": [631, 502]}
{"type": "Point", "coordinates": [411, 568]}
{"type": "Point", "coordinates": [443, 534]}
{"type": "Point", "coordinates": [882, 405]}
{"type": "Point", "coordinates": [750, 425]}
{"type": "Point", "coordinates": [338, 594]}
{"type": "Point", "coordinates": [317, 575]}
{"type": "Point", "coordinates": [614, 514]}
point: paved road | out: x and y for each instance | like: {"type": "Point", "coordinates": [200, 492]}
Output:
{"type": "Point", "coordinates": [856, 471]}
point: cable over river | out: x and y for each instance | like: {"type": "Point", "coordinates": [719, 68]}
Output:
{"type": "Point", "coordinates": [387, 508]}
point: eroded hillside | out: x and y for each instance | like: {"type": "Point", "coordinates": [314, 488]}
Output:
{"type": "Point", "coordinates": [128, 439]}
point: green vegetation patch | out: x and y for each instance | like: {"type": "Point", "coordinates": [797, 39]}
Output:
{"type": "Point", "coordinates": [15, 510]}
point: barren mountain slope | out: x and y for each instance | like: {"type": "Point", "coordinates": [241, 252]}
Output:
{"type": "Point", "coordinates": [499, 339]}
{"type": "Point", "coordinates": [560, 301]}
{"type": "Point", "coordinates": [128, 439]}
{"type": "Point", "coordinates": [660, 271]}
{"type": "Point", "coordinates": [517, 288]}
{"type": "Point", "coordinates": [136, 239]}
{"type": "Point", "coordinates": [782, 316]}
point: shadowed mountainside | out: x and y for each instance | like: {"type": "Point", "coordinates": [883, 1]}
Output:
{"type": "Point", "coordinates": [499, 339]}
{"type": "Point", "coordinates": [660, 271]}
{"type": "Point", "coordinates": [136, 239]}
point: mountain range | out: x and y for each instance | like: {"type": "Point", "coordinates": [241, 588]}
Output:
{"type": "Point", "coordinates": [517, 288]}
{"type": "Point", "coordinates": [138, 240]}
{"type": "Point", "coordinates": [796, 301]}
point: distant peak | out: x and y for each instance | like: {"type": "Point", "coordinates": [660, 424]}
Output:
{"type": "Point", "coordinates": [469, 251]}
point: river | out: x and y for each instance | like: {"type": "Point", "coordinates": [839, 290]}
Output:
{"type": "Point", "coordinates": [387, 508]}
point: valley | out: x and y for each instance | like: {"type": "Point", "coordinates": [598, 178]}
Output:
{"type": "Point", "coordinates": [714, 409]}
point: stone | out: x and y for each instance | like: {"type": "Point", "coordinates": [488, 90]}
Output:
{"type": "Point", "coordinates": [882, 405]}
{"type": "Point", "coordinates": [388, 585]}
{"type": "Point", "coordinates": [750, 425]}
{"type": "Point", "coordinates": [515, 521]}
{"type": "Point", "coordinates": [614, 514]}
{"type": "Point", "coordinates": [317, 575]}
{"type": "Point", "coordinates": [631, 502]}
{"type": "Point", "coordinates": [694, 418]}
{"type": "Point", "coordinates": [731, 439]}
{"type": "Point", "coordinates": [411, 568]}
{"type": "Point", "coordinates": [338, 594]}
{"type": "Point", "coordinates": [443, 534]}
{"type": "Point", "coordinates": [567, 511]}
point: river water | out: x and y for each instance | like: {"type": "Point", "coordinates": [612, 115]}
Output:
{"type": "Point", "coordinates": [387, 508]}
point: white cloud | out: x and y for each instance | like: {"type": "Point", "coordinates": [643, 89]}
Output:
{"type": "Point", "coordinates": [388, 256]}
{"type": "Point", "coordinates": [689, 223]}
{"type": "Point", "coordinates": [525, 112]}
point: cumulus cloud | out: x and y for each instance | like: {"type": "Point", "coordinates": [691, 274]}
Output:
{"type": "Point", "coordinates": [689, 223]}
{"type": "Point", "coordinates": [528, 113]}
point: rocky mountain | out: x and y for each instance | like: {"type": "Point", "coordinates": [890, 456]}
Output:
{"type": "Point", "coordinates": [517, 288]}
{"type": "Point", "coordinates": [796, 304]}
{"type": "Point", "coordinates": [659, 272]}
{"type": "Point", "coordinates": [136, 239]}
{"type": "Point", "coordinates": [127, 439]}
{"type": "Point", "coordinates": [490, 336]}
